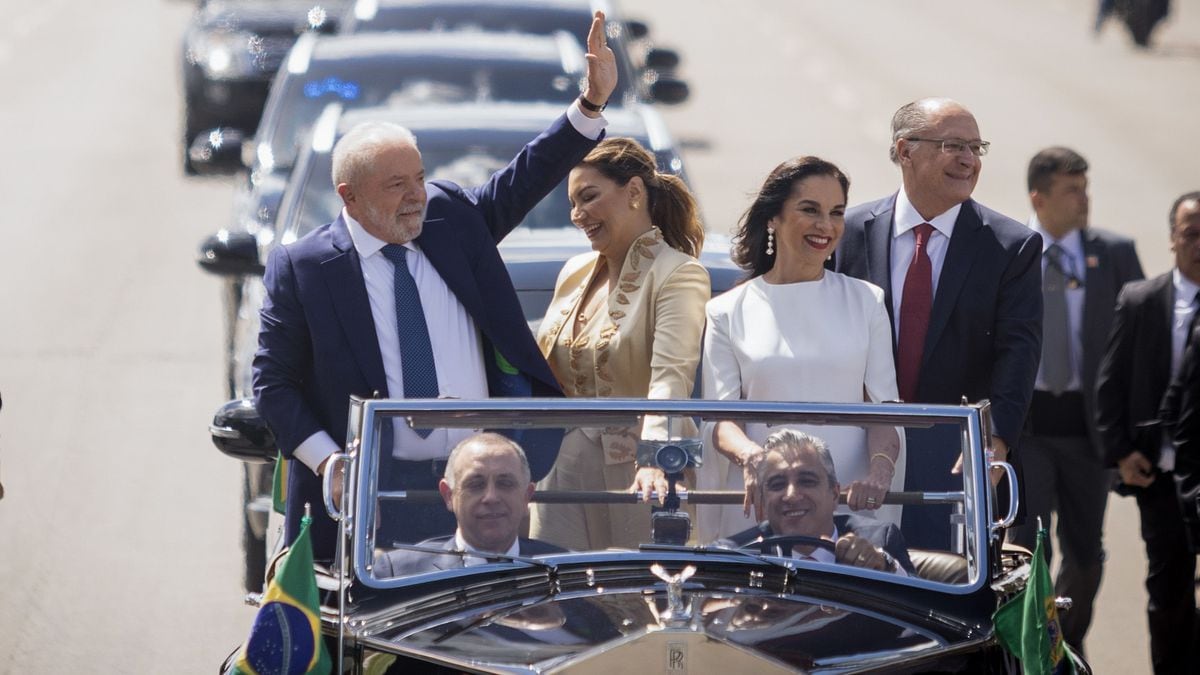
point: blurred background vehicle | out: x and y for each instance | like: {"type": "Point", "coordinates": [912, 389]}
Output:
{"type": "Point", "coordinates": [646, 70]}
{"type": "Point", "coordinates": [231, 50]}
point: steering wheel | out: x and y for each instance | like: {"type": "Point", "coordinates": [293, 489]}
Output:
{"type": "Point", "coordinates": [787, 541]}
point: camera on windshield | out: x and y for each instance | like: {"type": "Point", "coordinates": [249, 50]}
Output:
{"type": "Point", "coordinates": [669, 525]}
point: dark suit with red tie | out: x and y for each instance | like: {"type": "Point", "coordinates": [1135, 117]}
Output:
{"type": "Point", "coordinates": [983, 339]}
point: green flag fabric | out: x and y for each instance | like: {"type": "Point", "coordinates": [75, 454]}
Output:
{"type": "Point", "coordinates": [286, 635]}
{"type": "Point", "coordinates": [279, 486]}
{"type": "Point", "coordinates": [1027, 625]}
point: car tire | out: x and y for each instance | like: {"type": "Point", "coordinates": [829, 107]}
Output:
{"type": "Point", "coordinates": [257, 482]}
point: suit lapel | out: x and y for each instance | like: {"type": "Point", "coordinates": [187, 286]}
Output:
{"type": "Point", "coordinates": [1165, 299]}
{"type": "Point", "coordinates": [878, 231]}
{"type": "Point", "coordinates": [1094, 295]}
{"type": "Point", "coordinates": [343, 276]}
{"type": "Point", "coordinates": [447, 257]}
{"type": "Point", "coordinates": [960, 256]}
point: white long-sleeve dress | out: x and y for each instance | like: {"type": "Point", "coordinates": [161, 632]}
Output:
{"type": "Point", "coordinates": [828, 340]}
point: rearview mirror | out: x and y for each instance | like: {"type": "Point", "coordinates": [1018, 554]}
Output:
{"type": "Point", "coordinates": [668, 90]}
{"type": "Point", "coordinates": [217, 151]}
{"type": "Point", "coordinates": [240, 432]}
{"type": "Point", "coordinates": [662, 59]}
{"type": "Point", "coordinates": [230, 254]}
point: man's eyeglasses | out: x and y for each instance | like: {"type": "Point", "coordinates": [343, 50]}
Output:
{"type": "Point", "coordinates": [951, 146]}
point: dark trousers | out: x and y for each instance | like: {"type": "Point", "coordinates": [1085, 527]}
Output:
{"type": "Point", "coordinates": [1064, 474]}
{"type": "Point", "coordinates": [1170, 578]}
{"type": "Point", "coordinates": [930, 454]}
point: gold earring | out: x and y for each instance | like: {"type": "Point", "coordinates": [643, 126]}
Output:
{"type": "Point", "coordinates": [633, 205]}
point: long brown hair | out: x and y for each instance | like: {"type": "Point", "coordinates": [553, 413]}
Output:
{"type": "Point", "coordinates": [750, 241]}
{"type": "Point", "coordinates": [672, 207]}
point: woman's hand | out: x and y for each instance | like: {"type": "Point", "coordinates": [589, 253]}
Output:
{"type": "Point", "coordinates": [868, 493]}
{"type": "Point", "coordinates": [750, 459]}
{"type": "Point", "coordinates": [650, 478]}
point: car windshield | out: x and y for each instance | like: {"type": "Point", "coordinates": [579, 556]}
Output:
{"type": "Point", "coordinates": [818, 459]}
{"type": "Point", "coordinates": [538, 19]}
{"type": "Point", "coordinates": [298, 99]}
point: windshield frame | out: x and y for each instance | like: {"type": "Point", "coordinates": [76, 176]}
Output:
{"type": "Point", "coordinates": [367, 415]}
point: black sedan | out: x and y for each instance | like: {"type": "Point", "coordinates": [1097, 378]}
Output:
{"type": "Point", "coordinates": [231, 50]}
{"type": "Point", "coordinates": [645, 72]}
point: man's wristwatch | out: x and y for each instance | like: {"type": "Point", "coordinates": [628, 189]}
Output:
{"type": "Point", "coordinates": [588, 105]}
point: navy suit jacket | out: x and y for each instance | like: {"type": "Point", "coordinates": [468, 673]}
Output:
{"type": "Point", "coordinates": [402, 562]}
{"type": "Point", "coordinates": [985, 327]}
{"type": "Point", "coordinates": [881, 534]}
{"type": "Point", "coordinates": [318, 346]}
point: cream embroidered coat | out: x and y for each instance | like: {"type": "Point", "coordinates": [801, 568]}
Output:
{"type": "Point", "coordinates": [644, 343]}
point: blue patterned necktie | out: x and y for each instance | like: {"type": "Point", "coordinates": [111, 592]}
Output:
{"type": "Point", "coordinates": [416, 352]}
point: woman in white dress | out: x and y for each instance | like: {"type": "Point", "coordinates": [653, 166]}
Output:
{"type": "Point", "coordinates": [795, 331]}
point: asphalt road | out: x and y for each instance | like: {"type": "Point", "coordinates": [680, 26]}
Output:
{"type": "Point", "coordinates": [119, 529]}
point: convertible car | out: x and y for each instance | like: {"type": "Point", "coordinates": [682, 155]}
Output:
{"type": "Point", "coordinates": [679, 601]}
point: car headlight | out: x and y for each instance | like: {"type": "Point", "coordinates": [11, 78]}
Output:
{"type": "Point", "coordinates": [226, 54]}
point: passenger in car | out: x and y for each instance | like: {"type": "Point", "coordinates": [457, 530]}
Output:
{"type": "Point", "coordinates": [798, 489]}
{"type": "Point", "coordinates": [487, 487]}
{"type": "Point", "coordinates": [795, 331]}
{"type": "Point", "coordinates": [626, 320]}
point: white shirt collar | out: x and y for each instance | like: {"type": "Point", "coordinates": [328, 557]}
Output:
{"type": "Point", "coordinates": [906, 217]}
{"type": "Point", "coordinates": [366, 243]}
{"type": "Point", "coordinates": [461, 545]}
{"type": "Point", "coordinates": [1072, 242]}
{"type": "Point", "coordinates": [1185, 289]}
{"type": "Point", "coordinates": [819, 553]}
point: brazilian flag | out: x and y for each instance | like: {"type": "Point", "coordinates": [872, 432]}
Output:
{"type": "Point", "coordinates": [286, 636]}
{"type": "Point", "coordinates": [1027, 625]}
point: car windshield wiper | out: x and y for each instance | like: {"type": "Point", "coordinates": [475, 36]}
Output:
{"type": "Point", "coordinates": [490, 557]}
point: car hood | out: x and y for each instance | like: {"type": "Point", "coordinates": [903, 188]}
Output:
{"type": "Point", "coordinates": [726, 632]}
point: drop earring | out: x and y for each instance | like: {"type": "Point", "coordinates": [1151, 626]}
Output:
{"type": "Point", "coordinates": [770, 240]}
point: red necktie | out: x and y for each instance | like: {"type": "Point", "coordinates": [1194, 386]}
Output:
{"type": "Point", "coordinates": [915, 306]}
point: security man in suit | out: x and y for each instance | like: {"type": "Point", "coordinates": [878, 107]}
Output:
{"type": "Point", "coordinates": [1083, 269]}
{"type": "Point", "coordinates": [405, 295]}
{"type": "Point", "coordinates": [798, 488]}
{"type": "Point", "coordinates": [963, 287]}
{"type": "Point", "coordinates": [487, 487]}
{"type": "Point", "coordinates": [1149, 334]}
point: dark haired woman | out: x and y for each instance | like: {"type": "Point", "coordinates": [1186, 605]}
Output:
{"type": "Point", "coordinates": [626, 320]}
{"type": "Point", "coordinates": [795, 331]}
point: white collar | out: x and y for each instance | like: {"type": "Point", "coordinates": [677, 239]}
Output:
{"type": "Point", "coordinates": [1185, 289]}
{"type": "Point", "coordinates": [461, 545]}
{"type": "Point", "coordinates": [366, 243]}
{"type": "Point", "coordinates": [906, 217]}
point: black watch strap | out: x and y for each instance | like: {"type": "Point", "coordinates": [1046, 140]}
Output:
{"type": "Point", "coordinates": [588, 105]}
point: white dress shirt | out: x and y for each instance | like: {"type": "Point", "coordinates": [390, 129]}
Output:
{"type": "Point", "coordinates": [457, 353]}
{"type": "Point", "coordinates": [473, 560]}
{"type": "Point", "coordinates": [1075, 261]}
{"type": "Point", "coordinates": [904, 244]}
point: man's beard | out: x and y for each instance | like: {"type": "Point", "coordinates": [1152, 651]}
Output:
{"type": "Point", "coordinates": [397, 231]}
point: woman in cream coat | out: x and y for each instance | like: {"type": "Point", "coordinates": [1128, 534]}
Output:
{"type": "Point", "coordinates": [626, 321]}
